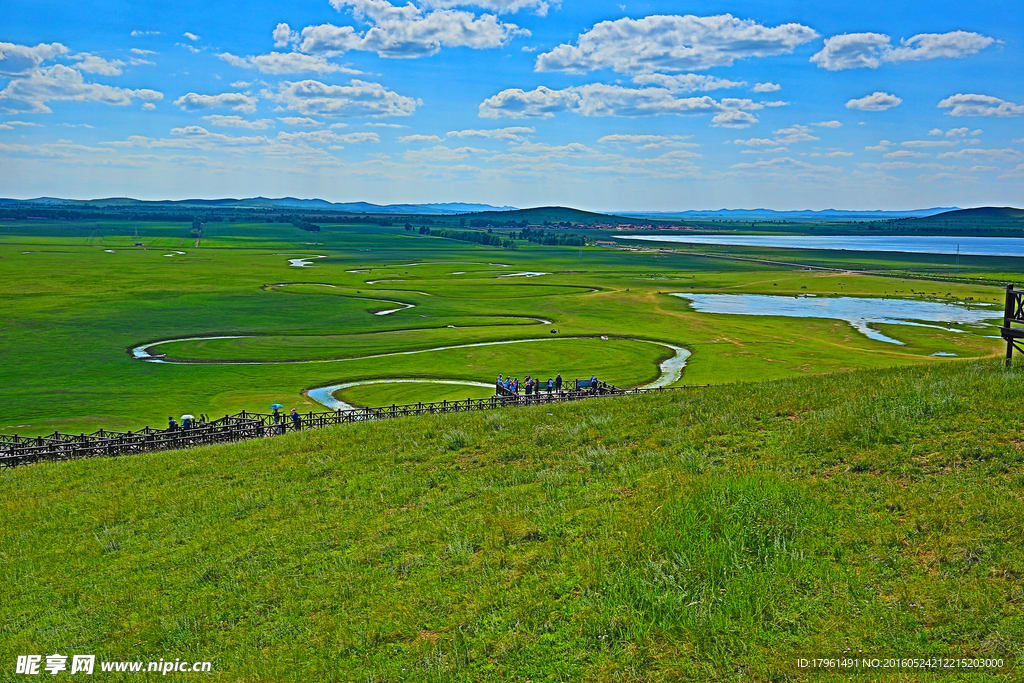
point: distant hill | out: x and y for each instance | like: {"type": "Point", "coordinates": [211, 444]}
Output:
{"type": "Point", "coordinates": [264, 202]}
{"type": "Point", "coordinates": [554, 214]}
{"type": "Point", "coordinates": [806, 215]}
{"type": "Point", "coordinates": [984, 212]}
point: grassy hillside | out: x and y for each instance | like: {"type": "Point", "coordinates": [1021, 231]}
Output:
{"type": "Point", "coordinates": [712, 534]}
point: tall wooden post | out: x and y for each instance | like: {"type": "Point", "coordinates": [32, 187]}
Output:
{"type": "Point", "coordinates": [1008, 309]}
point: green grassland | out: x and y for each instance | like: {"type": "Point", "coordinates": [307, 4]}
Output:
{"type": "Point", "coordinates": [703, 534]}
{"type": "Point", "coordinates": [78, 296]}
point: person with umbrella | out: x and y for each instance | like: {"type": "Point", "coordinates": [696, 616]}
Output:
{"type": "Point", "coordinates": [186, 421]}
{"type": "Point", "coordinates": [277, 417]}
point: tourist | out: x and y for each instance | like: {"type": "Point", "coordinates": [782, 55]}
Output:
{"type": "Point", "coordinates": [551, 383]}
{"type": "Point", "coordinates": [593, 383]}
{"type": "Point", "coordinates": [558, 382]}
{"type": "Point", "coordinates": [296, 420]}
{"type": "Point", "coordinates": [499, 383]}
{"type": "Point", "coordinates": [172, 426]}
{"type": "Point", "coordinates": [186, 423]}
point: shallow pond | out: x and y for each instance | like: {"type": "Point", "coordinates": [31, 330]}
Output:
{"type": "Point", "coordinates": [860, 312]}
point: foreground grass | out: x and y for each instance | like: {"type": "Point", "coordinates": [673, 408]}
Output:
{"type": "Point", "coordinates": [706, 534]}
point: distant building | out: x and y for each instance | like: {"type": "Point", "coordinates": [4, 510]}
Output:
{"type": "Point", "coordinates": [606, 243]}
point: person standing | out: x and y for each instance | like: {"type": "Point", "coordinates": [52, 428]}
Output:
{"type": "Point", "coordinates": [172, 425]}
{"type": "Point", "coordinates": [499, 384]}
{"type": "Point", "coordinates": [296, 420]}
{"type": "Point", "coordinates": [551, 384]}
{"type": "Point", "coordinates": [558, 382]}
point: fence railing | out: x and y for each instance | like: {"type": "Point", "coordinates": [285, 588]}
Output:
{"type": "Point", "coordinates": [21, 450]}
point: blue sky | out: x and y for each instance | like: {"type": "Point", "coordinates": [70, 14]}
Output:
{"type": "Point", "coordinates": [598, 105]}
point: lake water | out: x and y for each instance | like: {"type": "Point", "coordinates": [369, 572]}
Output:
{"type": "Point", "coordinates": [860, 312]}
{"type": "Point", "coordinates": [913, 244]}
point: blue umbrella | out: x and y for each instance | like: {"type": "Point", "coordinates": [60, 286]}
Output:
{"type": "Point", "coordinates": [276, 406]}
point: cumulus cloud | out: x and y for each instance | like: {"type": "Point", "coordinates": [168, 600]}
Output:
{"type": "Point", "coordinates": [283, 35]}
{"type": "Point", "coordinates": [927, 143]}
{"type": "Point", "coordinates": [303, 122]}
{"type": "Point", "coordinates": [419, 138]}
{"type": "Point", "coordinates": [540, 7]}
{"type": "Point", "coordinates": [237, 122]}
{"type": "Point", "coordinates": [1006, 154]}
{"type": "Point", "coordinates": [598, 99]}
{"type": "Point", "coordinates": [278, 63]}
{"type": "Point", "coordinates": [980, 105]}
{"type": "Point", "coordinates": [17, 60]}
{"type": "Point", "coordinates": [407, 31]}
{"type": "Point", "coordinates": [687, 82]}
{"type": "Point", "coordinates": [235, 100]}
{"type": "Point", "coordinates": [733, 119]}
{"type": "Point", "coordinates": [879, 101]}
{"type": "Point", "coordinates": [326, 137]}
{"type": "Point", "coordinates": [97, 65]}
{"type": "Point", "coordinates": [869, 50]}
{"type": "Point", "coordinates": [61, 83]}
{"type": "Point", "coordinates": [672, 43]}
{"type": "Point", "coordinates": [766, 87]}
{"type": "Point", "coordinates": [191, 36]}
{"type": "Point", "coordinates": [359, 98]}
{"type": "Point", "coordinates": [903, 154]}
{"type": "Point", "coordinates": [649, 141]}
{"type": "Point", "coordinates": [141, 53]}
{"type": "Point", "coordinates": [148, 106]}
{"type": "Point", "coordinates": [828, 124]}
{"type": "Point", "coordinates": [510, 134]}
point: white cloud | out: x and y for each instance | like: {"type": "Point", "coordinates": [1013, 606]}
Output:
{"type": "Point", "coordinates": [1014, 173]}
{"type": "Point", "coordinates": [828, 124]}
{"type": "Point", "coordinates": [148, 106]}
{"type": "Point", "coordinates": [283, 35]}
{"type": "Point", "coordinates": [540, 7]}
{"type": "Point", "coordinates": [407, 31]}
{"type": "Point", "coordinates": [191, 49]}
{"type": "Point", "coordinates": [733, 119]}
{"type": "Point", "coordinates": [687, 82]}
{"type": "Point", "coordinates": [512, 134]}
{"type": "Point", "coordinates": [373, 125]}
{"type": "Point", "coordinates": [935, 131]}
{"type": "Point", "coordinates": [878, 101]}
{"type": "Point", "coordinates": [419, 138]}
{"type": "Point", "coordinates": [933, 45]}
{"type": "Point", "coordinates": [991, 154]}
{"type": "Point", "coordinates": [17, 60]}
{"type": "Point", "coordinates": [237, 122]}
{"type": "Point", "coordinates": [285, 63]}
{"type": "Point", "coordinates": [776, 103]}
{"type": "Point", "coordinates": [135, 61]}
{"type": "Point", "coordinates": [326, 137]}
{"type": "Point", "coordinates": [359, 98]}
{"type": "Point", "coordinates": [797, 133]}
{"type": "Point", "coordinates": [877, 148]}
{"type": "Point", "coordinates": [839, 153]}
{"type": "Point", "coordinates": [756, 142]}
{"type": "Point", "coordinates": [191, 36]}
{"type": "Point", "coordinates": [141, 53]}
{"type": "Point", "coordinates": [136, 34]}
{"type": "Point", "coordinates": [539, 103]}
{"type": "Point", "coordinates": [301, 121]}
{"type": "Point", "coordinates": [235, 100]}
{"type": "Point", "coordinates": [766, 87]}
{"type": "Point", "coordinates": [598, 99]}
{"type": "Point", "coordinates": [869, 50]}
{"type": "Point", "coordinates": [648, 141]}
{"type": "Point", "coordinates": [980, 105]}
{"type": "Point", "coordinates": [927, 143]}
{"type": "Point", "coordinates": [97, 65]}
{"type": "Point", "coordinates": [241, 85]}
{"type": "Point", "coordinates": [672, 43]}
{"type": "Point", "coordinates": [62, 83]}
{"type": "Point", "coordinates": [904, 154]}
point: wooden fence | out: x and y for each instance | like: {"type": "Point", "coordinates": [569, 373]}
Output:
{"type": "Point", "coordinates": [21, 450]}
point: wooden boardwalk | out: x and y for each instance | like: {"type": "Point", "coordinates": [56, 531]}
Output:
{"type": "Point", "coordinates": [20, 450]}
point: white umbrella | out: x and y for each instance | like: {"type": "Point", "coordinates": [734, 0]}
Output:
{"type": "Point", "coordinates": [188, 417]}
